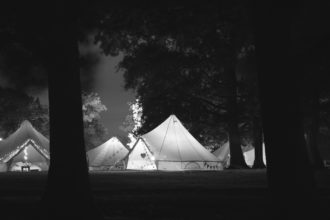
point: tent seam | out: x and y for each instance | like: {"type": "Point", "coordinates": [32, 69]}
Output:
{"type": "Point", "coordinates": [161, 147]}
{"type": "Point", "coordinates": [176, 141]}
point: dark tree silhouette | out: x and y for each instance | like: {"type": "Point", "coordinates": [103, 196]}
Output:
{"type": "Point", "coordinates": [314, 85]}
{"type": "Point", "coordinates": [68, 193]}
{"type": "Point", "coordinates": [249, 103]}
{"type": "Point", "coordinates": [312, 127]}
{"type": "Point", "coordinates": [236, 156]}
{"type": "Point", "coordinates": [279, 69]}
{"type": "Point", "coordinates": [47, 34]}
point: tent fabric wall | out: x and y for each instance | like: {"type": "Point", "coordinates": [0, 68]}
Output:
{"type": "Point", "coordinates": [26, 136]}
{"type": "Point", "coordinates": [174, 148]}
{"type": "Point", "coordinates": [140, 157]}
{"type": "Point", "coordinates": [107, 156]}
{"type": "Point", "coordinates": [3, 167]}
{"type": "Point", "coordinates": [174, 165]}
{"type": "Point", "coordinates": [222, 153]}
{"type": "Point", "coordinates": [33, 158]}
{"type": "Point", "coordinates": [249, 156]}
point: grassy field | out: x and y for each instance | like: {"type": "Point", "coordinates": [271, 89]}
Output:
{"type": "Point", "coordinates": [229, 194]}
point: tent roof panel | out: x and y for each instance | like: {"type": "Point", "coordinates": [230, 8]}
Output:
{"type": "Point", "coordinates": [108, 153]}
{"type": "Point", "coordinates": [172, 141]}
{"type": "Point", "coordinates": [24, 133]}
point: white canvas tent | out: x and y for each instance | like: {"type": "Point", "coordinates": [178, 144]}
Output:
{"type": "Point", "coordinates": [170, 146]}
{"type": "Point", "coordinates": [140, 158]}
{"type": "Point", "coordinates": [250, 156]}
{"type": "Point", "coordinates": [223, 153]}
{"type": "Point", "coordinates": [108, 156]}
{"type": "Point", "coordinates": [25, 147]}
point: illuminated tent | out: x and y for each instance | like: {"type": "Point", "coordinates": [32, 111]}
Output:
{"type": "Point", "coordinates": [171, 147]}
{"type": "Point", "coordinates": [223, 153]}
{"type": "Point", "coordinates": [25, 147]}
{"type": "Point", "coordinates": [108, 156]}
{"type": "Point", "coordinates": [140, 158]}
{"type": "Point", "coordinates": [249, 156]}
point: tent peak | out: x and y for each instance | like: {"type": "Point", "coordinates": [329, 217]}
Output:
{"type": "Point", "coordinates": [173, 116]}
{"type": "Point", "coordinates": [175, 119]}
{"type": "Point", "coordinates": [114, 138]}
{"type": "Point", "coordinates": [26, 123]}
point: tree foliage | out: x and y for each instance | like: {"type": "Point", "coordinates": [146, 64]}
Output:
{"type": "Point", "coordinates": [178, 59]}
{"type": "Point", "coordinates": [92, 106]}
{"type": "Point", "coordinates": [15, 107]}
{"type": "Point", "coordinates": [133, 121]}
{"type": "Point", "coordinates": [94, 131]}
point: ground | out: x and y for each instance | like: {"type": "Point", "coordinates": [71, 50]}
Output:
{"type": "Point", "coordinates": [229, 194]}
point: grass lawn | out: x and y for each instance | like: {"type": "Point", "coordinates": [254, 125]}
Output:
{"type": "Point", "coordinates": [229, 194]}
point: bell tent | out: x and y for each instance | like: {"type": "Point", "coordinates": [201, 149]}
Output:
{"type": "Point", "coordinates": [222, 153]}
{"type": "Point", "coordinates": [170, 146]}
{"type": "Point", "coordinates": [25, 148]}
{"type": "Point", "coordinates": [108, 156]}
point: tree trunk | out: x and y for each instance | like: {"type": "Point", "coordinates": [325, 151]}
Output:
{"type": "Point", "coordinates": [316, 159]}
{"type": "Point", "coordinates": [257, 135]}
{"type": "Point", "coordinates": [236, 154]}
{"type": "Point", "coordinates": [68, 193]}
{"type": "Point", "coordinates": [290, 177]}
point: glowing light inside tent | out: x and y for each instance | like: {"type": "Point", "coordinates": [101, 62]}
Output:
{"type": "Point", "coordinates": [152, 158]}
{"type": "Point", "coordinates": [0, 138]}
{"type": "Point", "coordinates": [25, 154]}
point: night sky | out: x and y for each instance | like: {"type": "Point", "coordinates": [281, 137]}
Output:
{"type": "Point", "coordinates": [109, 85]}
